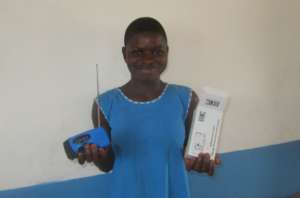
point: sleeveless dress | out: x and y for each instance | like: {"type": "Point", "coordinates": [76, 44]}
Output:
{"type": "Point", "coordinates": [147, 139]}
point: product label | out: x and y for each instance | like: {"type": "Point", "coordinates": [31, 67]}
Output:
{"type": "Point", "coordinates": [206, 124]}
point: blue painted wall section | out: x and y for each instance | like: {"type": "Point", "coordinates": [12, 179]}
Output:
{"type": "Point", "coordinates": [267, 172]}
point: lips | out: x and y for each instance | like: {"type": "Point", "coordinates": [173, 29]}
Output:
{"type": "Point", "coordinates": [146, 69]}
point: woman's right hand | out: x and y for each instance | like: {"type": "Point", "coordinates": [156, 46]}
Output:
{"type": "Point", "coordinates": [91, 153]}
{"type": "Point", "coordinates": [103, 158]}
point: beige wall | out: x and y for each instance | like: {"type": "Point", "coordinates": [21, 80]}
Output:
{"type": "Point", "coordinates": [48, 52]}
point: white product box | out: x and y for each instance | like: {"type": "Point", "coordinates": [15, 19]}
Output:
{"type": "Point", "coordinates": [207, 122]}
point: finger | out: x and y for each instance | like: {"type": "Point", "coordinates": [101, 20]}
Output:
{"type": "Point", "coordinates": [199, 163]}
{"type": "Point", "coordinates": [103, 152]}
{"type": "Point", "coordinates": [87, 152]}
{"type": "Point", "coordinates": [205, 163]}
{"type": "Point", "coordinates": [218, 159]}
{"type": "Point", "coordinates": [80, 157]}
{"type": "Point", "coordinates": [95, 153]}
{"type": "Point", "coordinates": [189, 162]}
{"type": "Point", "coordinates": [211, 169]}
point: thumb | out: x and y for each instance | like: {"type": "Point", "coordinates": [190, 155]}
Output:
{"type": "Point", "coordinates": [103, 152]}
{"type": "Point", "coordinates": [218, 159]}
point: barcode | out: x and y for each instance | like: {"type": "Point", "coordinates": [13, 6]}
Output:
{"type": "Point", "coordinates": [201, 116]}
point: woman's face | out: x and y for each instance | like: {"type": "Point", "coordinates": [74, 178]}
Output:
{"type": "Point", "coordinates": [146, 55]}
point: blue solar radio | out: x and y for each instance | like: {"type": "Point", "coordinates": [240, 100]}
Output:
{"type": "Point", "coordinates": [97, 136]}
{"type": "Point", "coordinates": [75, 144]}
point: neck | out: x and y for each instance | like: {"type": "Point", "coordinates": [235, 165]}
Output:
{"type": "Point", "coordinates": [147, 84]}
{"type": "Point", "coordinates": [149, 87]}
{"type": "Point", "coordinates": [143, 90]}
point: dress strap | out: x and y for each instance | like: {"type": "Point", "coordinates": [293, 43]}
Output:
{"type": "Point", "coordinates": [185, 95]}
{"type": "Point", "coordinates": [105, 101]}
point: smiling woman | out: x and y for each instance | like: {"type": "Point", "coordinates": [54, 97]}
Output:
{"type": "Point", "coordinates": [148, 122]}
{"type": "Point", "coordinates": [146, 55]}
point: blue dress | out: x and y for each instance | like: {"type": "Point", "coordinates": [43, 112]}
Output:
{"type": "Point", "coordinates": [147, 139]}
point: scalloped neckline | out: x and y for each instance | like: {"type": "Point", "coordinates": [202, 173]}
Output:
{"type": "Point", "coordinates": [147, 101]}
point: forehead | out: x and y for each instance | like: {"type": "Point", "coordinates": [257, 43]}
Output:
{"type": "Point", "coordinates": [146, 39]}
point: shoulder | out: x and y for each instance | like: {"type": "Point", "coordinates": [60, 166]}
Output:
{"type": "Point", "coordinates": [107, 96]}
{"type": "Point", "coordinates": [184, 91]}
{"type": "Point", "coordinates": [186, 95]}
{"type": "Point", "coordinates": [178, 87]}
{"type": "Point", "coordinates": [181, 90]}
{"type": "Point", "coordinates": [105, 102]}
{"type": "Point", "coordinates": [109, 93]}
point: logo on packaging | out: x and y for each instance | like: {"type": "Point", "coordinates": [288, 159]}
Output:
{"type": "Point", "coordinates": [213, 103]}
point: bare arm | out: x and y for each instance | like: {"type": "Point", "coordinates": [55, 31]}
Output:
{"type": "Point", "coordinates": [188, 121]}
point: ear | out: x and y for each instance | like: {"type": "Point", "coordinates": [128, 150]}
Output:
{"type": "Point", "coordinates": [124, 52]}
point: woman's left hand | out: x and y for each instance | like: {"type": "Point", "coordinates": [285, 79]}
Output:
{"type": "Point", "coordinates": [202, 163]}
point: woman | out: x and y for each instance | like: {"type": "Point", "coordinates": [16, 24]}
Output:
{"type": "Point", "coordinates": [148, 121]}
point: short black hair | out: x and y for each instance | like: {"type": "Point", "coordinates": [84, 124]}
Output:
{"type": "Point", "coordinates": [144, 24]}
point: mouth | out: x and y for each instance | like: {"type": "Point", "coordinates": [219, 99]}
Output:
{"type": "Point", "coordinates": [147, 70]}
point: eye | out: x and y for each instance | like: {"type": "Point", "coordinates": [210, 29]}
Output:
{"type": "Point", "coordinates": [158, 52]}
{"type": "Point", "coordinates": [137, 52]}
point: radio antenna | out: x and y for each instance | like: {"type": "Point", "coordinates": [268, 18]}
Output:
{"type": "Point", "coordinates": [98, 98]}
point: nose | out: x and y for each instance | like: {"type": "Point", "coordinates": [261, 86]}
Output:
{"type": "Point", "coordinates": [148, 58]}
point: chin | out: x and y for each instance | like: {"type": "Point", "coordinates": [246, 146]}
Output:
{"type": "Point", "coordinates": [147, 78]}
